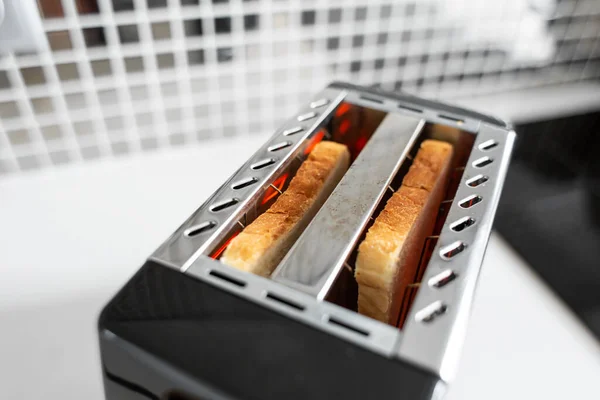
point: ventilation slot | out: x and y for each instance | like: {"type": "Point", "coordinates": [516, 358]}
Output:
{"type": "Point", "coordinates": [372, 99]}
{"type": "Point", "coordinates": [477, 180]}
{"type": "Point", "coordinates": [244, 183]}
{"type": "Point", "coordinates": [408, 108]}
{"type": "Point", "coordinates": [279, 146]}
{"type": "Point", "coordinates": [452, 250]}
{"type": "Point", "coordinates": [482, 162]}
{"type": "Point", "coordinates": [198, 229]}
{"type": "Point", "coordinates": [470, 201]}
{"type": "Point", "coordinates": [453, 119]}
{"type": "Point", "coordinates": [462, 224]}
{"type": "Point", "coordinates": [227, 278]}
{"type": "Point", "coordinates": [292, 131]}
{"type": "Point", "coordinates": [263, 164]}
{"type": "Point", "coordinates": [286, 302]}
{"type": "Point", "coordinates": [224, 204]}
{"type": "Point", "coordinates": [430, 312]}
{"type": "Point", "coordinates": [341, 324]}
{"type": "Point", "coordinates": [488, 145]}
{"type": "Point", "coordinates": [307, 116]}
{"type": "Point", "coordinates": [319, 103]}
{"type": "Point", "coordinates": [442, 279]}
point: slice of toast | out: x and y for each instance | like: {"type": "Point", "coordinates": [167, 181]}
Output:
{"type": "Point", "coordinates": [388, 258]}
{"type": "Point", "coordinates": [262, 245]}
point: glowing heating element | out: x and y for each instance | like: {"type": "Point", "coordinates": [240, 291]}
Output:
{"type": "Point", "coordinates": [221, 249]}
{"type": "Point", "coordinates": [342, 109]}
{"type": "Point", "coordinates": [314, 141]}
{"type": "Point", "coordinates": [275, 188]}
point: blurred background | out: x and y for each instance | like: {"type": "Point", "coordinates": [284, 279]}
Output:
{"type": "Point", "coordinates": [119, 117]}
{"type": "Point", "coordinates": [120, 77]}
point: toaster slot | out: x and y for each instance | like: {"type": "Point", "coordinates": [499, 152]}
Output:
{"type": "Point", "coordinates": [349, 124]}
{"type": "Point", "coordinates": [344, 291]}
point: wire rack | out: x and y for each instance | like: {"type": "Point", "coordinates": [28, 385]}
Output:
{"type": "Point", "coordinates": [121, 77]}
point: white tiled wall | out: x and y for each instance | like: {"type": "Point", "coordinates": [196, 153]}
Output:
{"type": "Point", "coordinates": [119, 77]}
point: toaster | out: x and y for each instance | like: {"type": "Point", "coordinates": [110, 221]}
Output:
{"type": "Point", "coordinates": [186, 326]}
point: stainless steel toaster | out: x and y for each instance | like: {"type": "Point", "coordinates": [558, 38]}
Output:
{"type": "Point", "coordinates": [186, 326]}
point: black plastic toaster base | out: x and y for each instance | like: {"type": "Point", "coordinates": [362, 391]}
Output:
{"type": "Point", "coordinates": [167, 335]}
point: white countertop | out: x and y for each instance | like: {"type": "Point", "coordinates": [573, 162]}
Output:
{"type": "Point", "coordinates": [71, 237]}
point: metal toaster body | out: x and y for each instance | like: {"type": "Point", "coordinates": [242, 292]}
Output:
{"type": "Point", "coordinates": [187, 326]}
